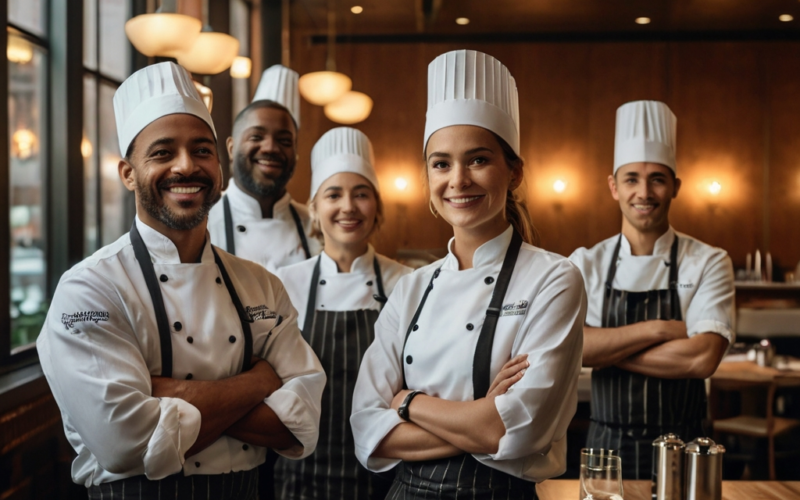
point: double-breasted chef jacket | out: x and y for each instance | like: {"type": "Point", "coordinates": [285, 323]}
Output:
{"type": "Point", "coordinates": [272, 243]}
{"type": "Point", "coordinates": [705, 279]}
{"type": "Point", "coordinates": [100, 347]}
{"type": "Point", "coordinates": [542, 316]}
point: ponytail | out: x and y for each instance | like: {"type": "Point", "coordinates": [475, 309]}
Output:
{"type": "Point", "coordinates": [517, 213]}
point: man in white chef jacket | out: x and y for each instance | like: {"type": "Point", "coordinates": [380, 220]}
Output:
{"type": "Point", "coordinates": [661, 303]}
{"type": "Point", "coordinates": [175, 365]}
{"type": "Point", "coordinates": [257, 219]}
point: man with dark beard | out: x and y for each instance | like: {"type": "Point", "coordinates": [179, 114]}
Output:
{"type": "Point", "coordinates": [175, 365]}
{"type": "Point", "coordinates": [257, 218]}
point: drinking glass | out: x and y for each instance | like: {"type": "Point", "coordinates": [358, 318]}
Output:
{"type": "Point", "coordinates": [601, 475]}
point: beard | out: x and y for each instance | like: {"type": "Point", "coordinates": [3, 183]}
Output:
{"type": "Point", "coordinates": [154, 205]}
{"type": "Point", "coordinates": [243, 167]}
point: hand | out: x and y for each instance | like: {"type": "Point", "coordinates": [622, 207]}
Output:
{"type": "Point", "coordinates": [671, 329]}
{"type": "Point", "coordinates": [510, 374]}
{"type": "Point", "coordinates": [268, 380]}
{"type": "Point", "coordinates": [398, 398]}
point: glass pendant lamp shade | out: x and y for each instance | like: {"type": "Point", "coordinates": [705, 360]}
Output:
{"type": "Point", "coordinates": [211, 53]}
{"type": "Point", "coordinates": [163, 34]}
{"type": "Point", "coordinates": [323, 87]}
{"type": "Point", "coordinates": [205, 94]}
{"type": "Point", "coordinates": [241, 67]}
{"type": "Point", "coordinates": [352, 107]}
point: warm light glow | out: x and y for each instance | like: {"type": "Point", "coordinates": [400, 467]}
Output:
{"type": "Point", "coordinates": [642, 20]}
{"type": "Point", "coordinates": [559, 186]}
{"type": "Point", "coordinates": [786, 17]}
{"type": "Point", "coordinates": [86, 147]}
{"type": "Point", "coordinates": [323, 87]}
{"type": "Point", "coordinates": [23, 143]}
{"type": "Point", "coordinates": [715, 188]}
{"type": "Point", "coordinates": [356, 9]}
{"type": "Point", "coordinates": [205, 94]}
{"type": "Point", "coordinates": [241, 67]}
{"type": "Point", "coordinates": [353, 107]}
{"type": "Point", "coordinates": [19, 51]}
{"type": "Point", "coordinates": [400, 183]}
{"type": "Point", "coordinates": [463, 21]}
{"type": "Point", "coordinates": [163, 34]}
{"type": "Point", "coordinates": [211, 53]}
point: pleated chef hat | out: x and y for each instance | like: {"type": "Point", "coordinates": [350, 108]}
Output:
{"type": "Point", "coordinates": [646, 132]}
{"type": "Point", "coordinates": [153, 92]}
{"type": "Point", "coordinates": [279, 84]}
{"type": "Point", "coordinates": [342, 149]}
{"type": "Point", "coordinates": [466, 87]}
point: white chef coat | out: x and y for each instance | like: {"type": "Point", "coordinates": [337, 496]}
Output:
{"type": "Point", "coordinates": [705, 279]}
{"type": "Point", "coordinates": [542, 316]}
{"type": "Point", "coordinates": [342, 291]}
{"type": "Point", "coordinates": [100, 345]}
{"type": "Point", "coordinates": [274, 242]}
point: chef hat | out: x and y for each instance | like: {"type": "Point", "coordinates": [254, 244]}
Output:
{"type": "Point", "coordinates": [342, 149]}
{"type": "Point", "coordinates": [466, 87]}
{"type": "Point", "coordinates": [646, 132]}
{"type": "Point", "coordinates": [153, 92]}
{"type": "Point", "coordinates": [279, 84]}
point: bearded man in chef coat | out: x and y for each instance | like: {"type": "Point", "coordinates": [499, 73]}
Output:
{"type": "Point", "coordinates": [257, 219]}
{"type": "Point", "coordinates": [175, 365]}
{"type": "Point", "coordinates": [661, 303]}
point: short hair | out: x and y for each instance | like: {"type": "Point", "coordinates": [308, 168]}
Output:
{"type": "Point", "coordinates": [263, 103]}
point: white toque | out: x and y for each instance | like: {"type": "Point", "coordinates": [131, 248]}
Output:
{"type": "Point", "coordinates": [279, 84]}
{"type": "Point", "coordinates": [151, 93]}
{"type": "Point", "coordinates": [342, 149]}
{"type": "Point", "coordinates": [466, 87]}
{"type": "Point", "coordinates": [646, 132]}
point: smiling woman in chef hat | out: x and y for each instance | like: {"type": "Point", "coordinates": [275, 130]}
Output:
{"type": "Point", "coordinates": [341, 293]}
{"type": "Point", "coordinates": [471, 381]}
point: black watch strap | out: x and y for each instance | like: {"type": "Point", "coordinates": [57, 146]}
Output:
{"type": "Point", "coordinates": [403, 409]}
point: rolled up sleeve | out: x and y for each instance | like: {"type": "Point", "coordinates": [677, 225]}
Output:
{"type": "Point", "coordinates": [712, 307]}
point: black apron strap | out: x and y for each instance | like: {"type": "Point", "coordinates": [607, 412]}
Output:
{"type": "Point", "coordinates": [244, 318]}
{"type": "Point", "coordinates": [149, 273]}
{"type": "Point", "coordinates": [414, 321]}
{"type": "Point", "coordinates": [301, 232]}
{"type": "Point", "coordinates": [230, 246]}
{"type": "Point", "coordinates": [675, 301]}
{"type": "Point", "coordinates": [381, 295]}
{"type": "Point", "coordinates": [482, 363]}
{"type": "Point", "coordinates": [311, 305]}
{"type": "Point", "coordinates": [612, 271]}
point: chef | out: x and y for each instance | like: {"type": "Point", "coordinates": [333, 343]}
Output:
{"type": "Point", "coordinates": [661, 303]}
{"type": "Point", "coordinates": [496, 307]}
{"type": "Point", "coordinates": [175, 365]}
{"type": "Point", "coordinates": [341, 293]}
{"type": "Point", "coordinates": [257, 219]}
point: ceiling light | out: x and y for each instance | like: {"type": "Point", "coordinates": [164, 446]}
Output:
{"type": "Point", "coordinates": [786, 17]}
{"type": "Point", "coordinates": [463, 21]}
{"type": "Point", "coordinates": [165, 33]}
{"type": "Point", "coordinates": [324, 87]}
{"type": "Point", "coordinates": [642, 20]}
{"type": "Point", "coordinates": [352, 107]}
{"type": "Point", "coordinates": [211, 53]}
{"type": "Point", "coordinates": [356, 9]}
{"type": "Point", "coordinates": [241, 67]}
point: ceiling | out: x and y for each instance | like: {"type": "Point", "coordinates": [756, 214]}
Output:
{"type": "Point", "coordinates": [431, 19]}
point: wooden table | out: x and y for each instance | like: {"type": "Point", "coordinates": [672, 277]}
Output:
{"type": "Point", "coordinates": [567, 489]}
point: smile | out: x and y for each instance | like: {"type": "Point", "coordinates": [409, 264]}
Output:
{"type": "Point", "coordinates": [348, 223]}
{"type": "Point", "coordinates": [184, 190]}
{"type": "Point", "coordinates": [644, 208]}
{"type": "Point", "coordinates": [463, 201]}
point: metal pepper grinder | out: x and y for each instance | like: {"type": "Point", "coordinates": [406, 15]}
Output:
{"type": "Point", "coordinates": [703, 476]}
{"type": "Point", "coordinates": [668, 468]}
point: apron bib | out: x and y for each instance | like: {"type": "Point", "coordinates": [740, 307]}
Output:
{"type": "Point", "coordinates": [630, 410]}
{"type": "Point", "coordinates": [229, 241]}
{"type": "Point", "coordinates": [339, 339]}
{"type": "Point", "coordinates": [463, 475]}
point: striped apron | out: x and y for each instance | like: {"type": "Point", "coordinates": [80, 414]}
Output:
{"type": "Point", "coordinates": [463, 475]}
{"type": "Point", "coordinates": [235, 485]}
{"type": "Point", "coordinates": [630, 410]}
{"type": "Point", "coordinates": [339, 338]}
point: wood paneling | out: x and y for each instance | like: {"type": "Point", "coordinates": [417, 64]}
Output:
{"type": "Point", "coordinates": [738, 109]}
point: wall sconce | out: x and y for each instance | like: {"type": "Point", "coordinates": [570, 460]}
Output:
{"type": "Point", "coordinates": [23, 143]}
{"type": "Point", "coordinates": [400, 183]}
{"type": "Point", "coordinates": [714, 188]}
{"type": "Point", "coordinates": [352, 107]}
{"type": "Point", "coordinates": [241, 67]}
{"type": "Point", "coordinates": [559, 186]}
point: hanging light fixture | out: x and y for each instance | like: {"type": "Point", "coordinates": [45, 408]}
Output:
{"type": "Point", "coordinates": [205, 94]}
{"type": "Point", "coordinates": [323, 87]}
{"type": "Point", "coordinates": [212, 52]}
{"type": "Point", "coordinates": [352, 107]}
{"type": "Point", "coordinates": [164, 33]}
{"type": "Point", "coordinates": [241, 67]}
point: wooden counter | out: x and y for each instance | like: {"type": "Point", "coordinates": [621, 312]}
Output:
{"type": "Point", "coordinates": [567, 489]}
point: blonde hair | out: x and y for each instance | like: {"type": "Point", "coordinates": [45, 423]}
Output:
{"type": "Point", "coordinates": [316, 229]}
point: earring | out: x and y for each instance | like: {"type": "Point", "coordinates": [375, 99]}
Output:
{"type": "Point", "coordinates": [433, 210]}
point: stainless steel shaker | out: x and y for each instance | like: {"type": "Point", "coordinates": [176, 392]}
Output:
{"type": "Point", "coordinates": [703, 473]}
{"type": "Point", "coordinates": [668, 453]}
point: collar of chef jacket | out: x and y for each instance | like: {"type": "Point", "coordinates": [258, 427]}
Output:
{"type": "Point", "coordinates": [662, 247]}
{"type": "Point", "coordinates": [163, 250]}
{"type": "Point", "coordinates": [248, 206]}
{"type": "Point", "coordinates": [362, 264]}
{"type": "Point", "coordinates": [490, 253]}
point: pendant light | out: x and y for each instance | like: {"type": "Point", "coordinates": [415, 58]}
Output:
{"type": "Point", "coordinates": [352, 107]}
{"type": "Point", "coordinates": [211, 52]}
{"type": "Point", "coordinates": [323, 87]}
{"type": "Point", "coordinates": [164, 33]}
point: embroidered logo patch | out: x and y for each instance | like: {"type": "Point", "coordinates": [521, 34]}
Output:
{"type": "Point", "coordinates": [517, 308]}
{"type": "Point", "coordinates": [69, 320]}
{"type": "Point", "coordinates": [260, 312]}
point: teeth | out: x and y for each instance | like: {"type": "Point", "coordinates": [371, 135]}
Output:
{"type": "Point", "coordinates": [348, 222]}
{"type": "Point", "coordinates": [184, 190]}
{"type": "Point", "coordinates": [643, 207]}
{"type": "Point", "coordinates": [464, 200]}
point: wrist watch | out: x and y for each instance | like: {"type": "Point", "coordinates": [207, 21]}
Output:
{"type": "Point", "coordinates": [403, 409]}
